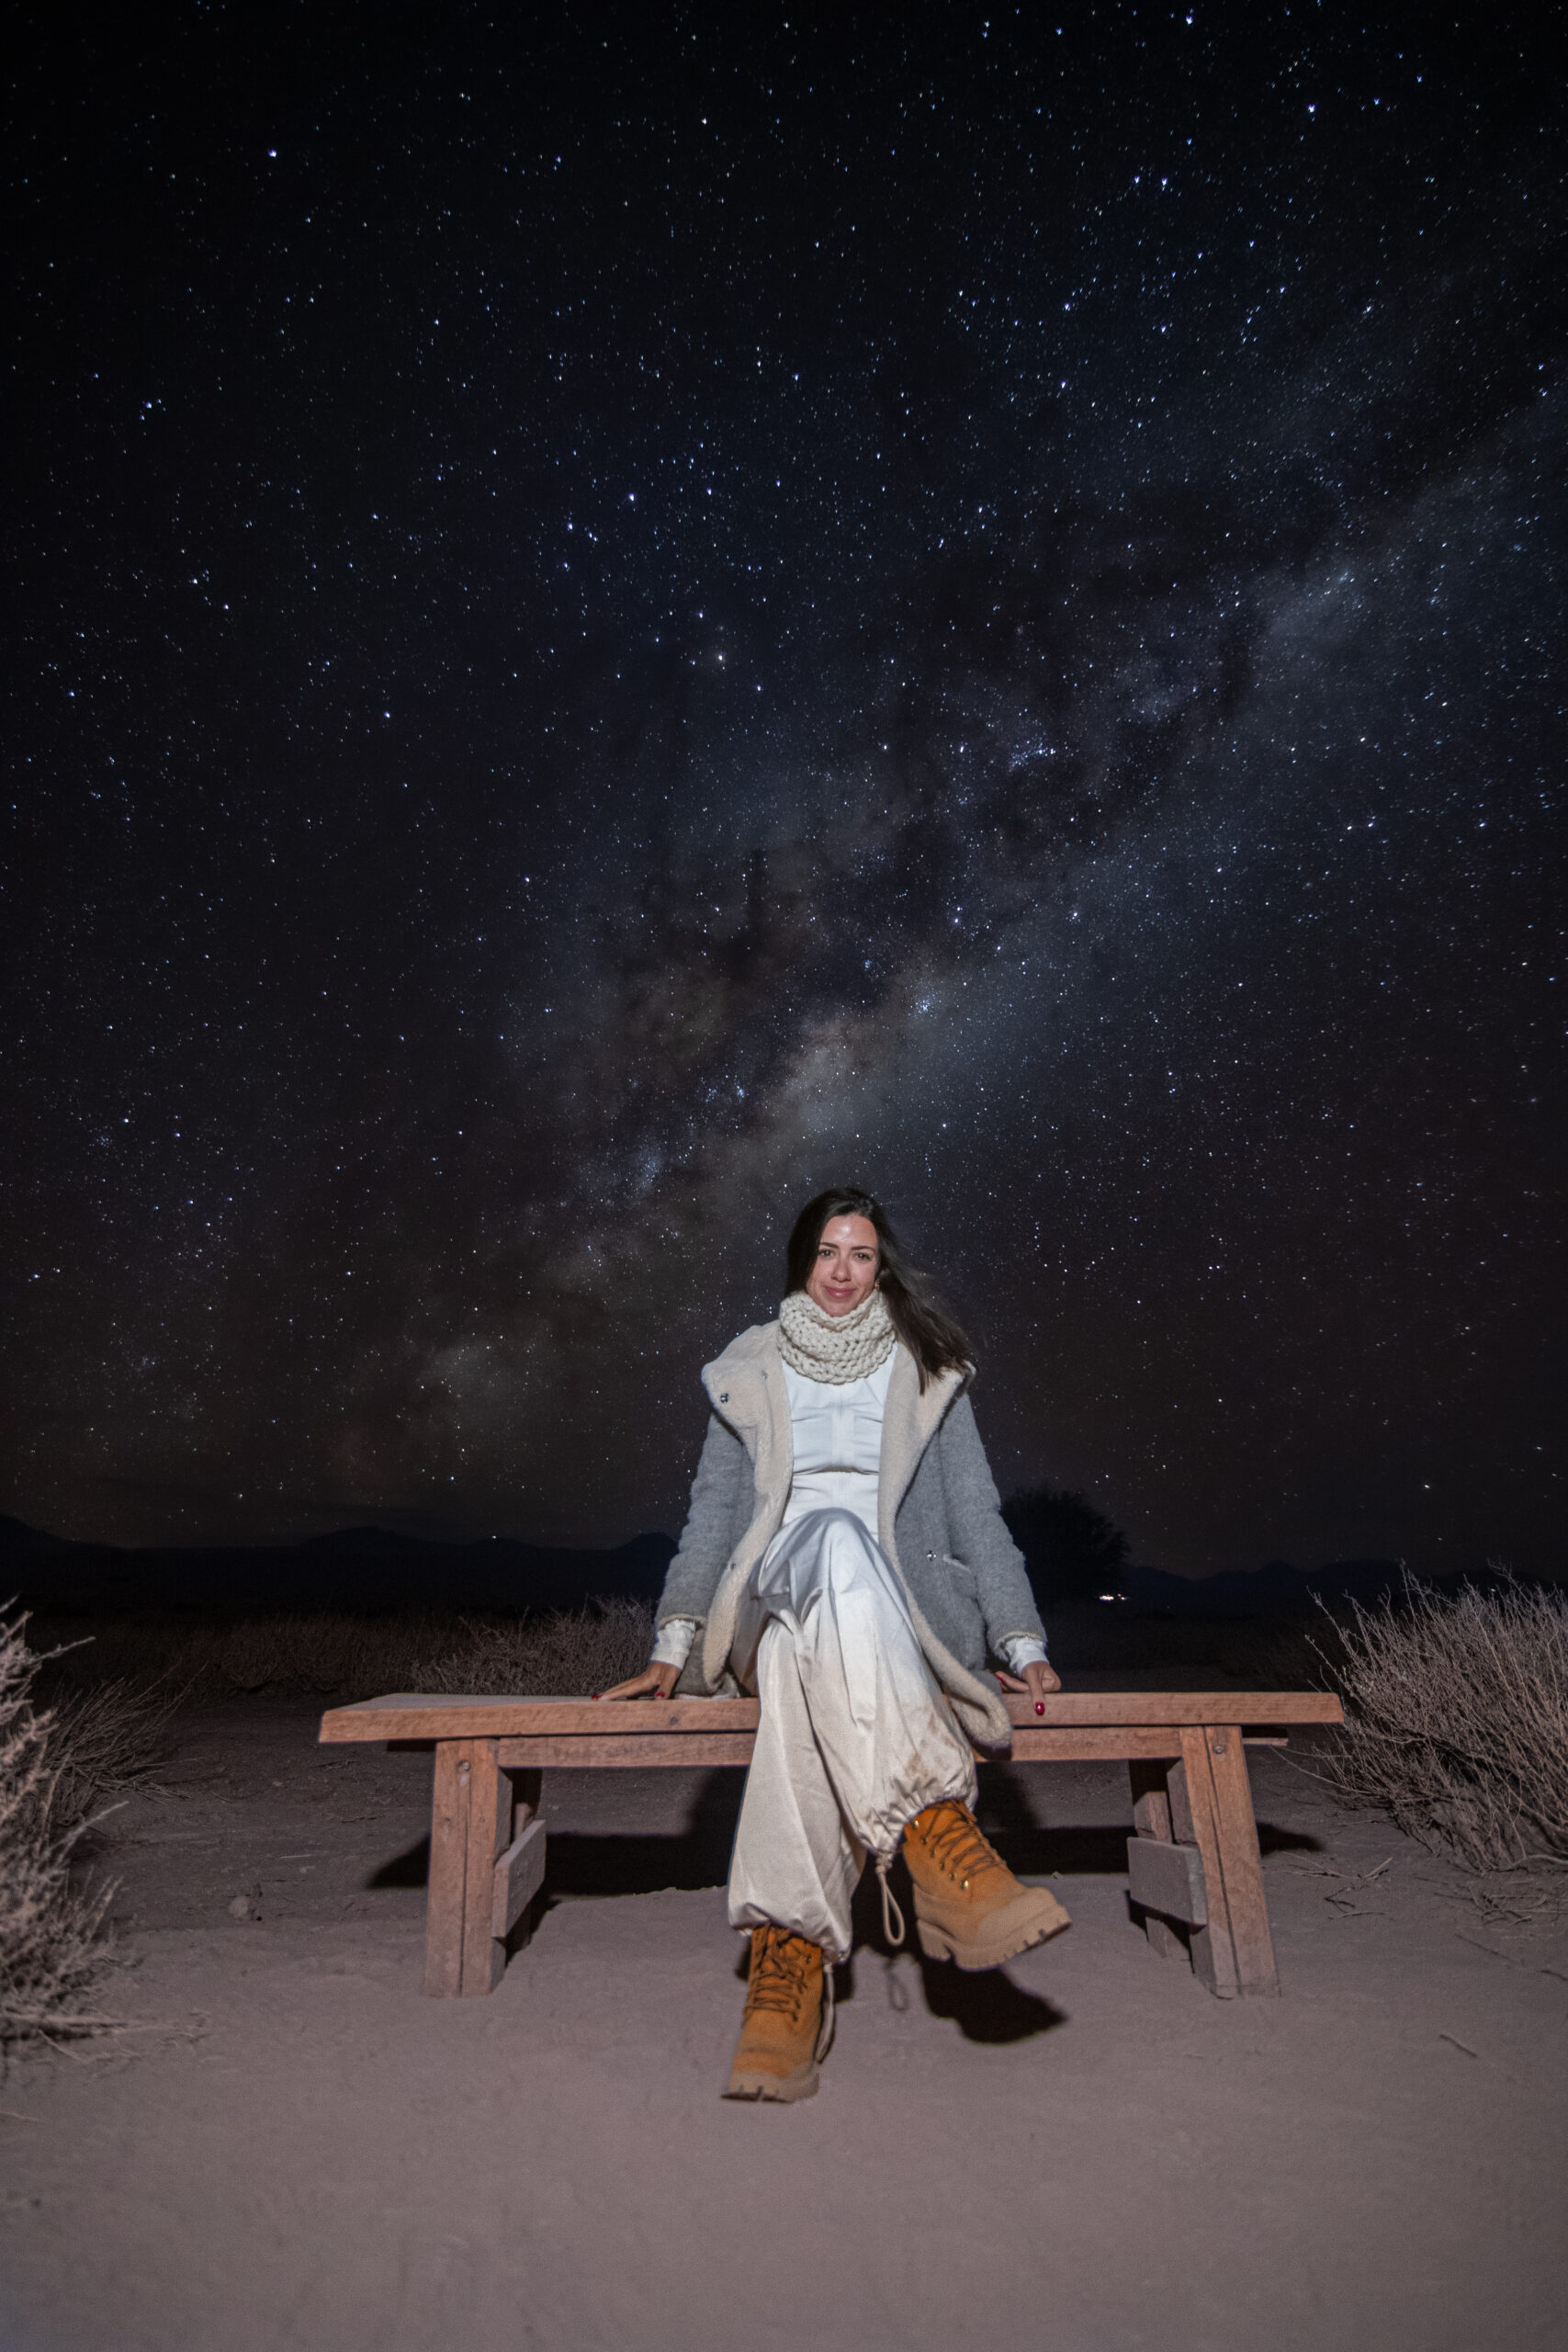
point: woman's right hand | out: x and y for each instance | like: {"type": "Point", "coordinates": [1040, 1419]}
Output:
{"type": "Point", "coordinates": [653, 1682]}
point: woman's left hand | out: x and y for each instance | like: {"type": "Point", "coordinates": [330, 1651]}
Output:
{"type": "Point", "coordinates": [1038, 1679]}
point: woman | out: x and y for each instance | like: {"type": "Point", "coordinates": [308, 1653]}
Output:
{"type": "Point", "coordinates": [845, 1558]}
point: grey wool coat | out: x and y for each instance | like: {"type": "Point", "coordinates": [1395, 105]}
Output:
{"type": "Point", "coordinates": [937, 1522]}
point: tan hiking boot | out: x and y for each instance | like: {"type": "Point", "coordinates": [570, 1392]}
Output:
{"type": "Point", "coordinates": [968, 1905]}
{"type": "Point", "coordinates": [788, 2019]}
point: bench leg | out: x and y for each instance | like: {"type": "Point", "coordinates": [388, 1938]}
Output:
{"type": "Point", "coordinates": [490, 1833]}
{"type": "Point", "coordinates": [471, 1823]}
{"type": "Point", "coordinates": [448, 1868]}
{"type": "Point", "coordinates": [1242, 1863]}
{"type": "Point", "coordinates": [1151, 1818]}
{"type": "Point", "coordinates": [1193, 1817]}
{"type": "Point", "coordinates": [1210, 1799]}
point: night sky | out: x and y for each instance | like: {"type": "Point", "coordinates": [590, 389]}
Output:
{"type": "Point", "coordinates": [624, 613]}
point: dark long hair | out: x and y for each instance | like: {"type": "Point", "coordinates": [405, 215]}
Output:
{"type": "Point", "coordinates": [930, 1332]}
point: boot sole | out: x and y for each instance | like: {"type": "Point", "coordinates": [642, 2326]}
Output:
{"type": "Point", "coordinates": [778, 2090]}
{"type": "Point", "coordinates": [1004, 1943]}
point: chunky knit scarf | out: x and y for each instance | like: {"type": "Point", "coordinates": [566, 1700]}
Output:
{"type": "Point", "coordinates": [835, 1348]}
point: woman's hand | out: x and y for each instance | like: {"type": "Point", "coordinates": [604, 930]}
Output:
{"type": "Point", "coordinates": [653, 1682]}
{"type": "Point", "coordinates": [1037, 1680]}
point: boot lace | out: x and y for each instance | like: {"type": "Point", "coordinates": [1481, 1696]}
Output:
{"type": "Point", "coordinates": [957, 1845]}
{"type": "Point", "coordinates": [779, 1976]}
{"type": "Point", "coordinates": [780, 1966]}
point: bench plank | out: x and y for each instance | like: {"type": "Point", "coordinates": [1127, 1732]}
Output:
{"type": "Point", "coordinates": [572, 1751]}
{"type": "Point", "coordinates": [410, 1716]}
{"type": "Point", "coordinates": [578, 1751]}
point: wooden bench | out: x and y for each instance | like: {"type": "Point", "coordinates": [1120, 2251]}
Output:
{"type": "Point", "coordinates": [1193, 1865]}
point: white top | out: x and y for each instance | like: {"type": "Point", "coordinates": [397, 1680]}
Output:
{"type": "Point", "coordinates": [837, 1432]}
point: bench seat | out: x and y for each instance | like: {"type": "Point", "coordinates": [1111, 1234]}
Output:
{"type": "Point", "coordinates": [1193, 1864]}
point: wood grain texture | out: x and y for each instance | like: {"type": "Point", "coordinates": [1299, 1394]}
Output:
{"type": "Point", "coordinates": [1261, 1708]}
{"type": "Point", "coordinates": [1167, 1879]}
{"type": "Point", "coordinates": [448, 1868]}
{"type": "Point", "coordinates": [404, 1716]}
{"type": "Point", "coordinates": [563, 1749]}
{"type": "Point", "coordinates": [409, 1715]}
{"type": "Point", "coordinates": [489, 1833]}
{"type": "Point", "coordinates": [1241, 1863]}
{"type": "Point", "coordinates": [1151, 1800]}
{"type": "Point", "coordinates": [1089, 1744]}
{"type": "Point", "coordinates": [517, 1878]}
{"type": "Point", "coordinates": [1193, 1816]}
{"type": "Point", "coordinates": [691, 1747]}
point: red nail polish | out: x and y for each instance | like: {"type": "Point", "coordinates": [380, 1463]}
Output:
{"type": "Point", "coordinates": [1040, 1706]}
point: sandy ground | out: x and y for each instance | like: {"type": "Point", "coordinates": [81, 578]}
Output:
{"type": "Point", "coordinates": [1089, 2151]}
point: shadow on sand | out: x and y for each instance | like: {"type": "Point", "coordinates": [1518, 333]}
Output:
{"type": "Point", "coordinates": [986, 2008]}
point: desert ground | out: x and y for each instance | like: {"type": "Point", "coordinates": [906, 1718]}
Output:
{"type": "Point", "coordinates": [290, 2147]}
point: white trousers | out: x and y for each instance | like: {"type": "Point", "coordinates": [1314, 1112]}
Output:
{"type": "Point", "coordinates": [855, 1736]}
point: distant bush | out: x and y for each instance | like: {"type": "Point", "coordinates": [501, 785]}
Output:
{"type": "Point", "coordinates": [1073, 1552]}
{"type": "Point", "coordinates": [1457, 1719]}
{"type": "Point", "coordinates": [333, 1653]}
{"type": "Point", "coordinates": [566, 1654]}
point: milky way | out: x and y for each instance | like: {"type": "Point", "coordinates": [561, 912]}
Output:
{"type": "Point", "coordinates": [629, 612]}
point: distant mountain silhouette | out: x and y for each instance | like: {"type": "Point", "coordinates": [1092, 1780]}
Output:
{"type": "Point", "coordinates": [1275, 1589]}
{"type": "Point", "coordinates": [375, 1568]}
{"type": "Point", "coordinates": [354, 1568]}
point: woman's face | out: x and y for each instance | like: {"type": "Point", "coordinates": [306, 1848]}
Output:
{"type": "Point", "coordinates": [847, 1260]}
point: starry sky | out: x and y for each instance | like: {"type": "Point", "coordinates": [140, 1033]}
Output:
{"type": "Point", "coordinates": [620, 612]}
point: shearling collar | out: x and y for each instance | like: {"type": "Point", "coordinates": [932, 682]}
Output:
{"type": "Point", "coordinates": [742, 1381]}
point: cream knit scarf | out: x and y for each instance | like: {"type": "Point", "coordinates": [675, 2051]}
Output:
{"type": "Point", "coordinates": [835, 1348]}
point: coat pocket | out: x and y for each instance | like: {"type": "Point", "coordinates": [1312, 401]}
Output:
{"type": "Point", "coordinates": [962, 1577]}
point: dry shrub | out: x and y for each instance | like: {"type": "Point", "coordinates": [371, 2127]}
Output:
{"type": "Point", "coordinates": [104, 1737]}
{"type": "Point", "coordinates": [566, 1654]}
{"type": "Point", "coordinates": [557, 1653]}
{"type": "Point", "coordinates": [1457, 1719]}
{"type": "Point", "coordinates": [51, 1950]}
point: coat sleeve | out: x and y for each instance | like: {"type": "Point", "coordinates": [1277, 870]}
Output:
{"type": "Point", "coordinates": [980, 1538]}
{"type": "Point", "coordinates": [724, 1472]}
